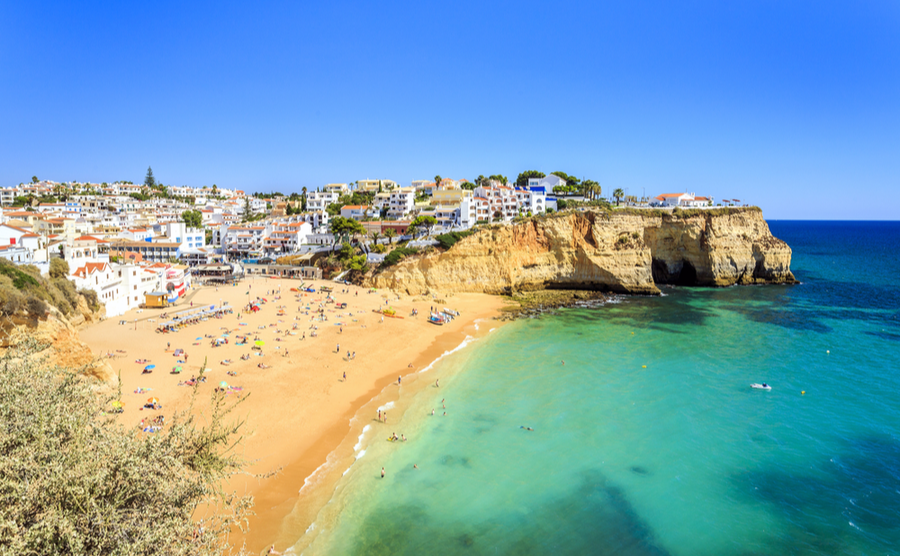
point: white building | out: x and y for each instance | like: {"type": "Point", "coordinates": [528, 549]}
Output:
{"type": "Point", "coordinates": [319, 200]}
{"type": "Point", "coordinates": [402, 202]}
{"type": "Point", "coordinates": [356, 212]}
{"type": "Point", "coordinates": [547, 182]}
{"type": "Point", "coordinates": [684, 200]}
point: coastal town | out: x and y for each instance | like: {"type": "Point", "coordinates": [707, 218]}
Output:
{"type": "Point", "coordinates": [139, 244]}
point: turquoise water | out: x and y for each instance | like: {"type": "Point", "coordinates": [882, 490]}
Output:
{"type": "Point", "coordinates": [649, 440]}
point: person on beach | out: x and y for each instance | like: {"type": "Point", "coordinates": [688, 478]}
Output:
{"type": "Point", "coordinates": [272, 550]}
{"type": "Point", "coordinates": [399, 378]}
{"type": "Point", "coordinates": [345, 376]}
{"type": "Point", "coordinates": [403, 437]}
{"type": "Point", "coordinates": [337, 349]}
{"type": "Point", "coordinates": [415, 466]}
{"type": "Point", "coordinates": [432, 412]}
{"type": "Point", "coordinates": [379, 415]}
{"type": "Point", "coordinates": [382, 472]}
{"type": "Point", "coordinates": [437, 383]}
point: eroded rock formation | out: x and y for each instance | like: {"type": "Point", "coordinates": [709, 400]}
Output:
{"type": "Point", "coordinates": [618, 251]}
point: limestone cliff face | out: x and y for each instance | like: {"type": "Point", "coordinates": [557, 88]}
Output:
{"type": "Point", "coordinates": [60, 334]}
{"type": "Point", "coordinates": [625, 252]}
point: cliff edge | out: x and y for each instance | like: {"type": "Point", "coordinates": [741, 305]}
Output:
{"type": "Point", "coordinates": [622, 251]}
{"type": "Point", "coordinates": [59, 334]}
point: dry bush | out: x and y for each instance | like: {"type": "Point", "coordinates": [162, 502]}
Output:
{"type": "Point", "coordinates": [73, 480]}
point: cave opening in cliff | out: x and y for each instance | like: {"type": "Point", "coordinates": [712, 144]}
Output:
{"type": "Point", "coordinates": [687, 276]}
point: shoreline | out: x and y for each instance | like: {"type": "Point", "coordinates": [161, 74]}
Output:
{"type": "Point", "coordinates": [316, 474]}
{"type": "Point", "coordinates": [298, 409]}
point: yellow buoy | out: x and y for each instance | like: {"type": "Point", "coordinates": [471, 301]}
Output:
{"type": "Point", "coordinates": [643, 366]}
{"type": "Point", "coordinates": [803, 391]}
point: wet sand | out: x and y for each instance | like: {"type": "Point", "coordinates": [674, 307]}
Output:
{"type": "Point", "coordinates": [298, 411]}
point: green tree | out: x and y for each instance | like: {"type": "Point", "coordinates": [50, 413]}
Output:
{"type": "Point", "coordinates": [437, 180]}
{"type": "Point", "coordinates": [423, 222]}
{"type": "Point", "coordinates": [522, 179]}
{"type": "Point", "coordinates": [375, 236]}
{"type": "Point", "coordinates": [618, 194]}
{"type": "Point", "coordinates": [390, 233]}
{"type": "Point", "coordinates": [570, 180]}
{"type": "Point", "coordinates": [346, 226]}
{"type": "Point", "coordinates": [498, 177]}
{"type": "Point", "coordinates": [149, 180]}
{"type": "Point", "coordinates": [590, 189]}
{"type": "Point", "coordinates": [34, 179]}
{"type": "Point", "coordinates": [193, 218]}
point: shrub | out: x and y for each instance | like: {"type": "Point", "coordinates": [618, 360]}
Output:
{"type": "Point", "coordinates": [21, 280]}
{"type": "Point", "coordinates": [59, 268]}
{"type": "Point", "coordinates": [75, 481]}
{"type": "Point", "coordinates": [380, 248]}
{"type": "Point", "coordinates": [36, 307]}
{"type": "Point", "coordinates": [448, 240]}
{"type": "Point", "coordinates": [636, 235]}
{"type": "Point", "coordinates": [13, 302]}
{"type": "Point", "coordinates": [623, 239]}
{"type": "Point", "coordinates": [91, 297]}
{"type": "Point", "coordinates": [394, 256]}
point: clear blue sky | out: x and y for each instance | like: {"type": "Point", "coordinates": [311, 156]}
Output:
{"type": "Point", "coordinates": [794, 106]}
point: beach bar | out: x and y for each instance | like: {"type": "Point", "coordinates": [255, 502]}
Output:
{"type": "Point", "coordinates": [156, 299]}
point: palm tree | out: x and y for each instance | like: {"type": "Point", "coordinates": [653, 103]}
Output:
{"type": "Point", "coordinates": [375, 236]}
{"type": "Point", "coordinates": [618, 194]}
{"type": "Point", "coordinates": [390, 234]}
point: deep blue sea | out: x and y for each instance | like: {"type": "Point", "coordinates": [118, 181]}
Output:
{"type": "Point", "coordinates": [649, 439]}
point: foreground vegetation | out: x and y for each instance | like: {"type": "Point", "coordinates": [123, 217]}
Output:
{"type": "Point", "coordinates": [73, 480]}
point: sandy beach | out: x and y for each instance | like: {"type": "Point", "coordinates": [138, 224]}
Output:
{"type": "Point", "coordinates": [298, 406]}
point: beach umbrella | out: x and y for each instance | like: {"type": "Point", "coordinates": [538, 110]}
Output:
{"type": "Point", "coordinates": [260, 343]}
{"type": "Point", "coordinates": [198, 338]}
{"type": "Point", "coordinates": [177, 369]}
{"type": "Point", "coordinates": [149, 367]}
{"type": "Point", "coordinates": [223, 384]}
{"type": "Point", "coordinates": [152, 400]}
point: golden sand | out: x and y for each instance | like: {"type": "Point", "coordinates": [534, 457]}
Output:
{"type": "Point", "coordinates": [298, 410]}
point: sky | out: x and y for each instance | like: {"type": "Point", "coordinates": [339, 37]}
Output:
{"type": "Point", "coordinates": [792, 106]}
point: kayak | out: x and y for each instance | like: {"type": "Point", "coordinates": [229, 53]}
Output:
{"type": "Point", "coordinates": [760, 386]}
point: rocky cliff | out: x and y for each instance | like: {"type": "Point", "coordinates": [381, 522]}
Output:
{"type": "Point", "coordinates": [60, 334]}
{"type": "Point", "coordinates": [620, 251]}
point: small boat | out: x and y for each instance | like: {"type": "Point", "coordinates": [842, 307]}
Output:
{"type": "Point", "coordinates": [762, 386]}
{"type": "Point", "coordinates": [435, 319]}
{"type": "Point", "coordinates": [388, 313]}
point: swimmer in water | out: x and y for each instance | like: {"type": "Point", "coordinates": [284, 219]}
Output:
{"type": "Point", "coordinates": [526, 428]}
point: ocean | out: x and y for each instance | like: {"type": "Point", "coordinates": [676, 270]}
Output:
{"type": "Point", "coordinates": [647, 437]}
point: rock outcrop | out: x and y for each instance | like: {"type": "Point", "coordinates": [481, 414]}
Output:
{"type": "Point", "coordinates": [620, 251]}
{"type": "Point", "coordinates": [60, 334]}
